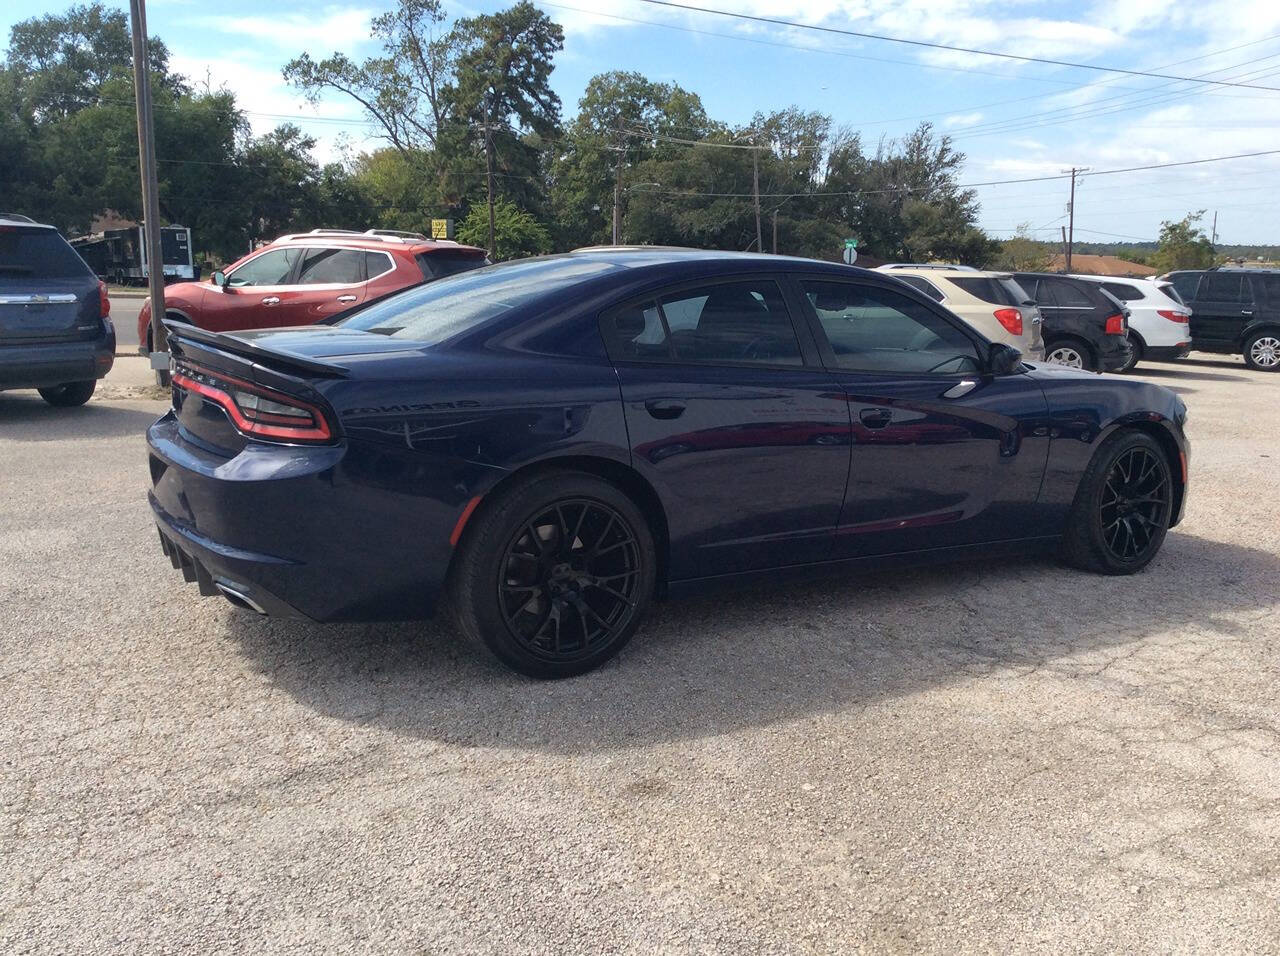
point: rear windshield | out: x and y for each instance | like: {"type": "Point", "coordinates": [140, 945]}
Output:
{"type": "Point", "coordinates": [991, 289]}
{"type": "Point", "coordinates": [437, 265]}
{"type": "Point", "coordinates": [27, 254]}
{"type": "Point", "coordinates": [438, 311]}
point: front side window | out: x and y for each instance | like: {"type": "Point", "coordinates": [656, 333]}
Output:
{"type": "Point", "coordinates": [1269, 287]}
{"type": "Point", "coordinates": [332, 267]}
{"type": "Point", "coordinates": [272, 267]}
{"type": "Point", "coordinates": [1186, 283]}
{"type": "Point", "coordinates": [1068, 295]}
{"type": "Point", "coordinates": [731, 323]}
{"type": "Point", "coordinates": [876, 330]}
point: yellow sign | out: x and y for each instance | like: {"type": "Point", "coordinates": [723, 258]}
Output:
{"type": "Point", "coordinates": [441, 228]}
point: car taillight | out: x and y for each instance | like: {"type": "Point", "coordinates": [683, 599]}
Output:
{"type": "Point", "coordinates": [1172, 316]}
{"type": "Point", "coordinates": [104, 301]}
{"type": "Point", "coordinates": [255, 410]}
{"type": "Point", "coordinates": [1115, 324]}
{"type": "Point", "coordinates": [1011, 319]}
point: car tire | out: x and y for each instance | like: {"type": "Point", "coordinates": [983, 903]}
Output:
{"type": "Point", "coordinates": [1262, 351]}
{"type": "Point", "coordinates": [1122, 506]}
{"type": "Point", "coordinates": [1071, 352]}
{"type": "Point", "coordinates": [69, 395]}
{"type": "Point", "coordinates": [1135, 355]}
{"type": "Point", "coordinates": [553, 574]}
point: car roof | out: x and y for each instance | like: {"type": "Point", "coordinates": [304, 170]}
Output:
{"type": "Point", "coordinates": [1077, 275]}
{"type": "Point", "coordinates": [374, 240]}
{"type": "Point", "coordinates": [17, 219]}
{"type": "Point", "coordinates": [945, 272]}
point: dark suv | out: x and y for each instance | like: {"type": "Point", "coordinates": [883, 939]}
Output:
{"type": "Point", "coordinates": [1084, 325]}
{"type": "Point", "coordinates": [1234, 310]}
{"type": "Point", "coordinates": [55, 334]}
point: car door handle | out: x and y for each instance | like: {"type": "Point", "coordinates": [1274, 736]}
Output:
{"type": "Point", "coordinates": [271, 300]}
{"type": "Point", "coordinates": [875, 417]}
{"type": "Point", "coordinates": [346, 298]}
{"type": "Point", "coordinates": [1246, 311]}
{"type": "Point", "coordinates": [664, 408]}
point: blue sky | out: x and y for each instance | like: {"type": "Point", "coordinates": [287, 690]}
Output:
{"type": "Point", "coordinates": [1012, 120]}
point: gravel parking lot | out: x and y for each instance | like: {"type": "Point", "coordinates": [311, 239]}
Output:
{"type": "Point", "coordinates": [982, 757]}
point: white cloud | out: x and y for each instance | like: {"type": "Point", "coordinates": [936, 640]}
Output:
{"type": "Point", "coordinates": [962, 119]}
{"type": "Point", "coordinates": [328, 29]}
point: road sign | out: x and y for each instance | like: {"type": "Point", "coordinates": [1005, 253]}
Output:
{"type": "Point", "coordinates": [850, 254]}
{"type": "Point", "coordinates": [441, 228]}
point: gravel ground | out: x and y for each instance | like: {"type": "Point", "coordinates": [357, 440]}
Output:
{"type": "Point", "coordinates": [994, 757]}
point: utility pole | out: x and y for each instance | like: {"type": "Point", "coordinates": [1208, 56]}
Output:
{"type": "Point", "coordinates": [755, 190]}
{"type": "Point", "coordinates": [1214, 240]}
{"type": "Point", "coordinates": [488, 165]}
{"type": "Point", "coordinates": [150, 188]}
{"type": "Point", "coordinates": [617, 197]}
{"type": "Point", "coordinates": [775, 232]}
{"type": "Point", "coordinates": [1066, 249]}
{"type": "Point", "coordinates": [1071, 212]}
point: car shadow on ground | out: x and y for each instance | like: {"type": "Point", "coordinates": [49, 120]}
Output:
{"type": "Point", "coordinates": [25, 416]}
{"type": "Point", "coordinates": [1186, 372]}
{"type": "Point", "coordinates": [719, 664]}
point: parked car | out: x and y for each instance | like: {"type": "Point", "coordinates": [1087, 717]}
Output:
{"type": "Point", "coordinates": [1234, 310]}
{"type": "Point", "coordinates": [992, 302]}
{"type": "Point", "coordinates": [1158, 319]}
{"type": "Point", "coordinates": [1084, 325]}
{"type": "Point", "coordinates": [310, 277]}
{"type": "Point", "coordinates": [56, 334]}
{"type": "Point", "coordinates": [545, 443]}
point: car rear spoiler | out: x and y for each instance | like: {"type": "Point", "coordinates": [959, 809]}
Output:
{"type": "Point", "coordinates": [228, 342]}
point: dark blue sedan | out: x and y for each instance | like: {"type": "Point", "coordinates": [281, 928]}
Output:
{"type": "Point", "coordinates": [546, 445]}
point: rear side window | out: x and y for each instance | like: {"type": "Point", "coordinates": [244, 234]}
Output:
{"type": "Point", "coordinates": [731, 323]}
{"type": "Point", "coordinates": [1224, 287]}
{"type": "Point", "coordinates": [332, 267]}
{"type": "Point", "coordinates": [27, 254]}
{"type": "Point", "coordinates": [987, 289]}
{"type": "Point", "coordinates": [1123, 291]}
{"type": "Point", "coordinates": [923, 285]}
{"type": "Point", "coordinates": [376, 264]}
{"type": "Point", "coordinates": [1185, 283]}
{"type": "Point", "coordinates": [1067, 295]}
{"type": "Point", "coordinates": [437, 265]}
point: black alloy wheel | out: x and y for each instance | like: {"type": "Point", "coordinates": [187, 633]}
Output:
{"type": "Point", "coordinates": [1135, 503]}
{"type": "Point", "coordinates": [568, 582]}
{"type": "Point", "coordinates": [1123, 506]}
{"type": "Point", "coordinates": [553, 573]}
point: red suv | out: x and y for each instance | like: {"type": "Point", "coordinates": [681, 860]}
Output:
{"type": "Point", "coordinates": [305, 278]}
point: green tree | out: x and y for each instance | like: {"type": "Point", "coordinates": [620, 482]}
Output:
{"type": "Point", "coordinates": [516, 232]}
{"type": "Point", "coordinates": [1183, 245]}
{"type": "Point", "coordinates": [1023, 252]}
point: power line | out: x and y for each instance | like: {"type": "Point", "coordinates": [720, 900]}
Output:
{"type": "Point", "coordinates": [864, 35]}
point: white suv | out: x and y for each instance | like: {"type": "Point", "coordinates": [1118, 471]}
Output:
{"type": "Point", "coordinates": [1159, 321]}
{"type": "Point", "coordinates": [991, 302]}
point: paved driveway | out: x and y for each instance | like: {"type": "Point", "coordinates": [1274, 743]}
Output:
{"type": "Point", "coordinates": [977, 757]}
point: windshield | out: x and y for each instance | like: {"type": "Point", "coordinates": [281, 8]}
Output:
{"type": "Point", "coordinates": [440, 310]}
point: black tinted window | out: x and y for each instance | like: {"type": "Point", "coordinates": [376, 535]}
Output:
{"type": "Point", "coordinates": [437, 265]}
{"type": "Point", "coordinates": [1123, 291]}
{"type": "Point", "coordinates": [1185, 283]}
{"type": "Point", "coordinates": [877, 330]}
{"type": "Point", "coordinates": [994, 291]}
{"type": "Point", "coordinates": [727, 323]}
{"type": "Point", "coordinates": [1224, 287]}
{"type": "Point", "coordinates": [1267, 288]}
{"type": "Point", "coordinates": [332, 267]}
{"type": "Point", "coordinates": [1067, 294]}
{"type": "Point", "coordinates": [27, 254]}
{"type": "Point", "coordinates": [923, 285]}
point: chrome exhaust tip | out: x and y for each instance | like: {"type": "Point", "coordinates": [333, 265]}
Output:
{"type": "Point", "coordinates": [239, 598]}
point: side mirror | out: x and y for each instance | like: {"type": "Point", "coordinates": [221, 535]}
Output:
{"type": "Point", "coordinates": [219, 279]}
{"type": "Point", "coordinates": [1003, 359]}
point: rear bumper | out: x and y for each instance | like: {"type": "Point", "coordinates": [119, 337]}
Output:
{"type": "Point", "coordinates": [1166, 353]}
{"type": "Point", "coordinates": [1118, 355]}
{"type": "Point", "coordinates": [295, 531]}
{"type": "Point", "coordinates": [46, 365]}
